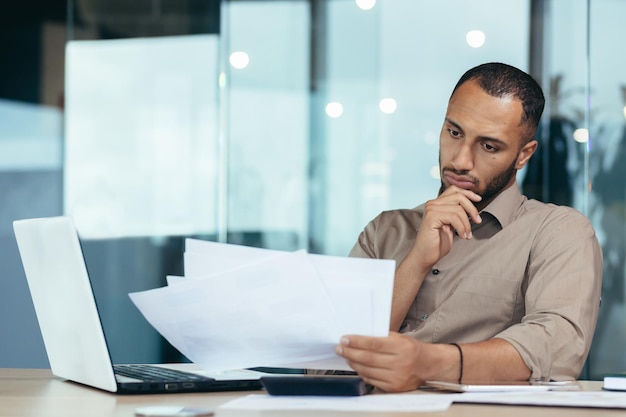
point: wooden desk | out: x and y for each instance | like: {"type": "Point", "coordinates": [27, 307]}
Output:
{"type": "Point", "coordinates": [37, 393]}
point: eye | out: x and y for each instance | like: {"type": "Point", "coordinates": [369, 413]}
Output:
{"type": "Point", "coordinates": [488, 147]}
{"type": "Point", "coordinates": [454, 133]}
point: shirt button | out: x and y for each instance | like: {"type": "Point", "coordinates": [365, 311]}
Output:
{"type": "Point", "coordinates": [424, 317]}
{"type": "Point", "coordinates": [435, 271]}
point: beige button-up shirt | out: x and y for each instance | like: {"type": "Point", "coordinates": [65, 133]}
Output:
{"type": "Point", "coordinates": [531, 275]}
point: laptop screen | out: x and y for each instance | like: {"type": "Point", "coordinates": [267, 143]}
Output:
{"type": "Point", "coordinates": [76, 308]}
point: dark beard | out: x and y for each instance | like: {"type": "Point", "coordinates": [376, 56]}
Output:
{"type": "Point", "coordinates": [498, 183]}
{"type": "Point", "coordinates": [494, 187]}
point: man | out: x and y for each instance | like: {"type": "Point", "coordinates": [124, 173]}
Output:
{"type": "Point", "coordinates": [490, 285]}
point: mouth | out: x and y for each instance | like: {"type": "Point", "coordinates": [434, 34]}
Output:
{"type": "Point", "coordinates": [459, 181]}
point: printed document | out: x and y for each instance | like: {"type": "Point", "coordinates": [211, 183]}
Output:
{"type": "Point", "coordinates": [242, 307]}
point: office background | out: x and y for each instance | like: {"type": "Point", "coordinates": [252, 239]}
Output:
{"type": "Point", "coordinates": [280, 124]}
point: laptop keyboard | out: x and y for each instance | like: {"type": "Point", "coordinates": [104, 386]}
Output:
{"type": "Point", "coordinates": [155, 373]}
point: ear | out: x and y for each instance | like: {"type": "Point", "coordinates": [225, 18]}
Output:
{"type": "Point", "coordinates": [525, 153]}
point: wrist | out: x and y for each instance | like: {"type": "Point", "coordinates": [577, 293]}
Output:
{"type": "Point", "coordinates": [416, 263]}
{"type": "Point", "coordinates": [444, 362]}
{"type": "Point", "coordinates": [458, 347]}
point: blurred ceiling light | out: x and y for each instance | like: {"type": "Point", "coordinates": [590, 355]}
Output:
{"type": "Point", "coordinates": [239, 59]}
{"type": "Point", "coordinates": [581, 135]}
{"type": "Point", "coordinates": [388, 105]}
{"type": "Point", "coordinates": [379, 169]}
{"type": "Point", "coordinates": [624, 110]}
{"type": "Point", "coordinates": [334, 109]}
{"type": "Point", "coordinates": [434, 172]}
{"type": "Point", "coordinates": [365, 4]}
{"type": "Point", "coordinates": [222, 80]}
{"type": "Point", "coordinates": [475, 38]}
{"type": "Point", "coordinates": [431, 138]}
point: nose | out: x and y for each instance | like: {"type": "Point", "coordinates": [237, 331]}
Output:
{"type": "Point", "coordinates": [463, 159]}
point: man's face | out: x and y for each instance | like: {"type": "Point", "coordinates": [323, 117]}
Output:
{"type": "Point", "coordinates": [480, 142]}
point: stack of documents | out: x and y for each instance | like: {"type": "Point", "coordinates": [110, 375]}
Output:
{"type": "Point", "coordinates": [242, 307]}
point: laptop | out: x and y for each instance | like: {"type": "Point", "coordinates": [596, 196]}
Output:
{"type": "Point", "coordinates": [71, 327]}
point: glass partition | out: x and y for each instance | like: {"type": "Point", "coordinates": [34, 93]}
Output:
{"type": "Point", "coordinates": [141, 136]}
{"type": "Point", "coordinates": [31, 162]}
{"type": "Point", "coordinates": [607, 199]}
{"type": "Point", "coordinates": [141, 153]}
{"type": "Point", "coordinates": [266, 122]}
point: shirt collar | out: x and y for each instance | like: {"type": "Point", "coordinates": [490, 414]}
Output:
{"type": "Point", "coordinates": [504, 206]}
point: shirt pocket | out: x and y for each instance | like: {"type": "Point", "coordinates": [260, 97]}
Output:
{"type": "Point", "coordinates": [490, 287]}
{"type": "Point", "coordinates": [480, 307]}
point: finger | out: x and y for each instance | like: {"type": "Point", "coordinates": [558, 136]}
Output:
{"type": "Point", "coordinates": [367, 343]}
{"type": "Point", "coordinates": [468, 193]}
{"type": "Point", "coordinates": [380, 378]}
{"type": "Point", "coordinates": [437, 216]}
{"type": "Point", "coordinates": [388, 371]}
{"type": "Point", "coordinates": [459, 221]}
{"type": "Point", "coordinates": [470, 210]}
{"type": "Point", "coordinates": [449, 235]}
{"type": "Point", "coordinates": [388, 385]}
{"type": "Point", "coordinates": [374, 367]}
{"type": "Point", "coordinates": [465, 207]}
{"type": "Point", "coordinates": [462, 197]}
{"type": "Point", "coordinates": [365, 359]}
{"type": "Point", "coordinates": [385, 379]}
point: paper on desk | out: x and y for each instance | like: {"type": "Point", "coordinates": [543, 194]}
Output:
{"type": "Point", "coordinates": [365, 403]}
{"type": "Point", "coordinates": [266, 308]}
{"type": "Point", "coordinates": [559, 398]}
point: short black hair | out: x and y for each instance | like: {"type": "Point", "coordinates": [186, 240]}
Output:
{"type": "Point", "coordinates": [500, 80]}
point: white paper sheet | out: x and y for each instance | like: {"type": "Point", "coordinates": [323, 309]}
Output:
{"type": "Point", "coordinates": [359, 288]}
{"type": "Point", "coordinates": [204, 258]}
{"type": "Point", "coordinates": [594, 399]}
{"type": "Point", "coordinates": [174, 279]}
{"type": "Point", "coordinates": [243, 307]}
{"type": "Point", "coordinates": [366, 403]}
{"type": "Point", "coordinates": [248, 317]}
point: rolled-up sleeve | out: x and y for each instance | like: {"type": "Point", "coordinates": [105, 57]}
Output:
{"type": "Point", "coordinates": [562, 298]}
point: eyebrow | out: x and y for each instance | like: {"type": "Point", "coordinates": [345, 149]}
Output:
{"type": "Point", "coordinates": [487, 138]}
